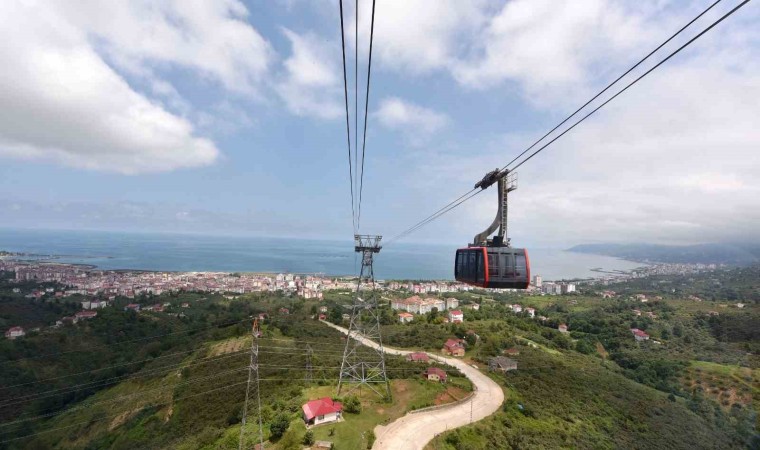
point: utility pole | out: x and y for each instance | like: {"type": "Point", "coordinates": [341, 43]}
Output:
{"type": "Point", "coordinates": [367, 368]}
{"type": "Point", "coordinates": [253, 371]}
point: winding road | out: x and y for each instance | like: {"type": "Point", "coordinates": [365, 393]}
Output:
{"type": "Point", "coordinates": [414, 431]}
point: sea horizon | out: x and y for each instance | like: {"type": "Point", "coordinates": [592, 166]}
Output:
{"type": "Point", "coordinates": [186, 252]}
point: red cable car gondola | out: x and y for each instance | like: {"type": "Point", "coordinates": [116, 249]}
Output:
{"type": "Point", "coordinates": [493, 263]}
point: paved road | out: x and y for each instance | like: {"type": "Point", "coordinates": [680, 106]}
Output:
{"type": "Point", "coordinates": [414, 431]}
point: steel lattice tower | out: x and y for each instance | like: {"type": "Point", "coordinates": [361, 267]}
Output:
{"type": "Point", "coordinates": [253, 372]}
{"type": "Point", "coordinates": [368, 367]}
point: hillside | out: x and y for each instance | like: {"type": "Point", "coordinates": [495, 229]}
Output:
{"type": "Point", "coordinates": [576, 401]}
{"type": "Point", "coordinates": [732, 254]}
{"type": "Point", "coordinates": [176, 379]}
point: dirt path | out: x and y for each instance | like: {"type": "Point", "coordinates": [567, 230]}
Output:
{"type": "Point", "coordinates": [414, 431]}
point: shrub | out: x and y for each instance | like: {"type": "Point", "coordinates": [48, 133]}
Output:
{"type": "Point", "coordinates": [279, 426]}
{"type": "Point", "coordinates": [308, 438]}
{"type": "Point", "coordinates": [352, 405]}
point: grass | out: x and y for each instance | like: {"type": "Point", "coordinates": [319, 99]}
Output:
{"type": "Point", "coordinates": [352, 432]}
{"type": "Point", "coordinates": [725, 384]}
{"type": "Point", "coordinates": [578, 402]}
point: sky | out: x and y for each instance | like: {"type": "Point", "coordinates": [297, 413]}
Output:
{"type": "Point", "coordinates": [227, 117]}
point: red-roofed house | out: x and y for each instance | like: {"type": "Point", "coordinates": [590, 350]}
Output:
{"type": "Point", "coordinates": [405, 317]}
{"type": "Point", "coordinates": [85, 314]}
{"type": "Point", "coordinates": [417, 357]}
{"type": "Point", "coordinates": [562, 328]}
{"type": "Point", "coordinates": [435, 374]}
{"type": "Point", "coordinates": [639, 335]}
{"type": "Point", "coordinates": [320, 411]}
{"type": "Point", "coordinates": [453, 347]}
{"type": "Point", "coordinates": [14, 332]}
{"type": "Point", "coordinates": [456, 316]}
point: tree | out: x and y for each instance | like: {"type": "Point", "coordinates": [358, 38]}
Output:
{"type": "Point", "coordinates": [308, 438]}
{"type": "Point", "coordinates": [352, 405]}
{"type": "Point", "coordinates": [279, 426]}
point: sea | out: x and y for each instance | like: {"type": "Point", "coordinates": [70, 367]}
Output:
{"type": "Point", "coordinates": [196, 253]}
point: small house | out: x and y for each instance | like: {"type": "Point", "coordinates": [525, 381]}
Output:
{"type": "Point", "coordinates": [86, 314]}
{"type": "Point", "coordinates": [405, 317]}
{"type": "Point", "coordinates": [562, 328]}
{"type": "Point", "coordinates": [453, 347]}
{"type": "Point", "coordinates": [133, 307]}
{"type": "Point", "coordinates": [15, 332]}
{"type": "Point", "coordinates": [456, 316]}
{"type": "Point", "coordinates": [323, 410]}
{"type": "Point", "coordinates": [502, 364]}
{"type": "Point", "coordinates": [435, 374]}
{"type": "Point", "coordinates": [639, 335]}
{"type": "Point", "coordinates": [512, 351]}
{"type": "Point", "coordinates": [418, 357]}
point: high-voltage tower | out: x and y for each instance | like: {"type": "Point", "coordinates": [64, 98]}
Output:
{"type": "Point", "coordinates": [253, 378]}
{"type": "Point", "coordinates": [368, 366]}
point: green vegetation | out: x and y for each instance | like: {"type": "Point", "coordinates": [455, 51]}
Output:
{"type": "Point", "coordinates": [177, 379]}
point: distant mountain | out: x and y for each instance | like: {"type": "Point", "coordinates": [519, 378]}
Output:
{"type": "Point", "coordinates": [733, 254]}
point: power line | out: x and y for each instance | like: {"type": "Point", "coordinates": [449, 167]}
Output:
{"type": "Point", "coordinates": [613, 82]}
{"type": "Point", "coordinates": [348, 126]}
{"type": "Point", "coordinates": [123, 342]}
{"type": "Point", "coordinates": [678, 50]}
{"type": "Point", "coordinates": [435, 215]}
{"type": "Point", "coordinates": [111, 400]}
{"type": "Point", "coordinates": [454, 203]}
{"type": "Point", "coordinates": [113, 380]}
{"type": "Point", "coordinates": [116, 415]}
{"type": "Point", "coordinates": [366, 109]}
{"type": "Point", "coordinates": [100, 369]}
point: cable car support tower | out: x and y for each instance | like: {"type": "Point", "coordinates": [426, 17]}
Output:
{"type": "Point", "coordinates": [506, 183]}
{"type": "Point", "coordinates": [366, 368]}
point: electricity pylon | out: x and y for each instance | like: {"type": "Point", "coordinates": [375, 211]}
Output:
{"type": "Point", "coordinates": [368, 367]}
{"type": "Point", "coordinates": [253, 372]}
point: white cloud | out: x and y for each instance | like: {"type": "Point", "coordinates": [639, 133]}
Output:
{"type": "Point", "coordinates": [65, 104]}
{"type": "Point", "coordinates": [415, 121]}
{"type": "Point", "coordinates": [418, 36]}
{"type": "Point", "coordinates": [675, 162]}
{"type": "Point", "coordinates": [211, 37]}
{"type": "Point", "coordinates": [544, 44]}
{"type": "Point", "coordinates": [310, 85]}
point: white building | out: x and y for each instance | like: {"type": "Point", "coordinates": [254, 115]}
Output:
{"type": "Point", "coordinates": [452, 303]}
{"type": "Point", "coordinates": [456, 316]}
{"type": "Point", "coordinates": [323, 410]}
{"type": "Point", "coordinates": [538, 281]}
{"type": "Point", "coordinates": [405, 317]}
{"type": "Point", "coordinates": [15, 332]}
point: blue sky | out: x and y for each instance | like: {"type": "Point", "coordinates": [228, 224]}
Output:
{"type": "Point", "coordinates": [226, 117]}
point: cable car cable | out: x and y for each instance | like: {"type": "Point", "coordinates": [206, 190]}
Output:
{"type": "Point", "coordinates": [366, 109]}
{"type": "Point", "coordinates": [451, 205]}
{"type": "Point", "coordinates": [348, 126]}
{"type": "Point", "coordinates": [613, 82]}
{"type": "Point", "coordinates": [678, 50]}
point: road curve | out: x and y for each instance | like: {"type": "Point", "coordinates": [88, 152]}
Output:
{"type": "Point", "coordinates": [414, 431]}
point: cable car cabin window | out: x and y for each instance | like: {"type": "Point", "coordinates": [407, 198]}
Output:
{"type": "Point", "coordinates": [521, 265]}
{"type": "Point", "coordinates": [481, 264]}
{"type": "Point", "coordinates": [459, 268]}
{"type": "Point", "coordinates": [508, 264]}
{"type": "Point", "coordinates": [493, 265]}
